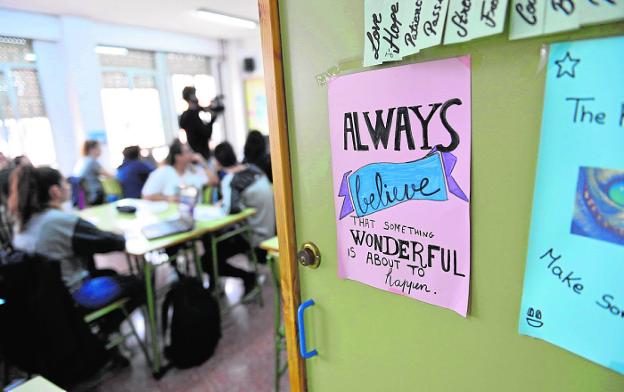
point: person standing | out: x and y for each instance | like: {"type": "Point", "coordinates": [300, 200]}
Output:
{"type": "Point", "coordinates": [198, 132]}
{"type": "Point", "coordinates": [88, 170]}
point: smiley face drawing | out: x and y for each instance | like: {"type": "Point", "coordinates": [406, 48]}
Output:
{"type": "Point", "coordinates": [534, 318]}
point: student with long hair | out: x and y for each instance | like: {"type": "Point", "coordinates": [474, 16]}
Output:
{"type": "Point", "coordinates": [43, 228]}
{"type": "Point", "coordinates": [256, 153]}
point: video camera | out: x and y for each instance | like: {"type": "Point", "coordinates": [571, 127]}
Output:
{"type": "Point", "coordinates": [216, 105]}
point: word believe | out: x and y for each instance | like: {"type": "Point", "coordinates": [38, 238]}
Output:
{"type": "Point", "coordinates": [380, 131]}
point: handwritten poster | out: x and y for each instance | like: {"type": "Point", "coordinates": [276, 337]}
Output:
{"type": "Point", "coordinates": [400, 141]}
{"type": "Point", "coordinates": [527, 18]}
{"type": "Point", "coordinates": [573, 292]}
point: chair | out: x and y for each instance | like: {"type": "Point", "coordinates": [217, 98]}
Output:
{"type": "Point", "coordinates": [41, 329]}
{"type": "Point", "coordinates": [119, 305]}
{"type": "Point", "coordinates": [272, 257]}
{"type": "Point", "coordinates": [78, 195]}
{"type": "Point", "coordinates": [112, 189]}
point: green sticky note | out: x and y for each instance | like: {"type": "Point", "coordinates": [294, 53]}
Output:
{"type": "Point", "coordinates": [372, 32]}
{"type": "Point", "coordinates": [391, 30]}
{"type": "Point", "coordinates": [462, 14]}
{"type": "Point", "coordinates": [411, 19]}
{"type": "Point", "coordinates": [431, 28]}
{"type": "Point", "coordinates": [469, 19]}
{"type": "Point", "coordinates": [527, 18]}
{"type": "Point", "coordinates": [600, 11]}
{"type": "Point", "coordinates": [561, 15]}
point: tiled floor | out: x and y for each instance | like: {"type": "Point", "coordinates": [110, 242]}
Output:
{"type": "Point", "coordinates": [243, 361]}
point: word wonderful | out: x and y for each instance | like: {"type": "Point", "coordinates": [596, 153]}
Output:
{"type": "Point", "coordinates": [380, 126]}
{"type": "Point", "coordinates": [427, 256]}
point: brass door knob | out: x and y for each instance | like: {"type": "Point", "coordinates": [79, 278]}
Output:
{"type": "Point", "coordinates": [309, 255]}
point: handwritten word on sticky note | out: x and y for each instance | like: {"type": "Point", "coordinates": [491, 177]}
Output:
{"type": "Point", "coordinates": [469, 19]}
{"type": "Point", "coordinates": [372, 32]}
{"type": "Point", "coordinates": [411, 19]}
{"type": "Point", "coordinates": [432, 26]}
{"type": "Point", "coordinates": [527, 18]}
{"type": "Point", "coordinates": [561, 15]}
{"type": "Point", "coordinates": [600, 11]}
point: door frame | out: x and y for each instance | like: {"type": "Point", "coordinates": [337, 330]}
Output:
{"type": "Point", "coordinates": [282, 184]}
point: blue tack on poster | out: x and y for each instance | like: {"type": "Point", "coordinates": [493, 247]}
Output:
{"type": "Point", "coordinates": [573, 289]}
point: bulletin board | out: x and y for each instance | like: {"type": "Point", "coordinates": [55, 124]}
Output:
{"type": "Point", "coordinates": [375, 341]}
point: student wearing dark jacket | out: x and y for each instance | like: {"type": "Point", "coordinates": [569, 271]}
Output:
{"type": "Point", "coordinates": [133, 172]}
{"type": "Point", "coordinates": [246, 186]}
{"type": "Point", "coordinates": [42, 228]}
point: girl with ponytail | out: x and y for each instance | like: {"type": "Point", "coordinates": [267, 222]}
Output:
{"type": "Point", "coordinates": [42, 228]}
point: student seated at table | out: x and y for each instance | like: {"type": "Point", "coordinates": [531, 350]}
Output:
{"type": "Point", "coordinates": [88, 170]}
{"type": "Point", "coordinates": [182, 168]}
{"type": "Point", "coordinates": [256, 153]}
{"type": "Point", "coordinates": [165, 183]}
{"type": "Point", "coordinates": [42, 228]}
{"type": "Point", "coordinates": [246, 186]}
{"type": "Point", "coordinates": [133, 172]}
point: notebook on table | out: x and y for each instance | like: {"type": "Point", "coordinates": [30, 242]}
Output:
{"type": "Point", "coordinates": [167, 228]}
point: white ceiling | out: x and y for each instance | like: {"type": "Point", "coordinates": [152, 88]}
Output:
{"type": "Point", "coordinates": [169, 15]}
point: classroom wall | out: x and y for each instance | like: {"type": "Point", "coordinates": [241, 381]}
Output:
{"type": "Point", "coordinates": [70, 77]}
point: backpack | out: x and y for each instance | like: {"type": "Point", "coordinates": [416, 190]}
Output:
{"type": "Point", "coordinates": [195, 323]}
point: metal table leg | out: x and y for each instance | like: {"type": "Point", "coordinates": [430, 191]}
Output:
{"type": "Point", "coordinates": [151, 315]}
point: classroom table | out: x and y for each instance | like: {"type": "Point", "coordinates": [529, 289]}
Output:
{"type": "Point", "coordinates": [37, 384]}
{"type": "Point", "coordinates": [272, 247]}
{"type": "Point", "coordinates": [106, 217]}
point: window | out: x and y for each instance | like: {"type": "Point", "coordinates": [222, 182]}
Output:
{"type": "Point", "coordinates": [194, 70]}
{"type": "Point", "coordinates": [24, 127]}
{"type": "Point", "coordinates": [130, 100]}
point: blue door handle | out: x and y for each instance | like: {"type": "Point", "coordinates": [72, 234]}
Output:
{"type": "Point", "coordinates": [302, 339]}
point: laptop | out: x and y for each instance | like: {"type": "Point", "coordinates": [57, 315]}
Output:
{"type": "Point", "coordinates": [167, 228]}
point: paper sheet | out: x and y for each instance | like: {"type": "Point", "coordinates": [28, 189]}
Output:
{"type": "Point", "coordinates": [400, 142]}
{"type": "Point", "coordinates": [573, 293]}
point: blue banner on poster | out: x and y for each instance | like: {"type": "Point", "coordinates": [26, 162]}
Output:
{"type": "Point", "coordinates": [378, 186]}
{"type": "Point", "coordinates": [573, 292]}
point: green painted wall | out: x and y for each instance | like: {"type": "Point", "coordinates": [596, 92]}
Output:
{"type": "Point", "coordinates": [371, 340]}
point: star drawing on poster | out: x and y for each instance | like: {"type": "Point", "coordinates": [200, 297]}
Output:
{"type": "Point", "coordinates": [566, 65]}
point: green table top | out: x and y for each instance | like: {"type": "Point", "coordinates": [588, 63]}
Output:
{"type": "Point", "coordinates": [106, 217]}
{"type": "Point", "coordinates": [271, 245]}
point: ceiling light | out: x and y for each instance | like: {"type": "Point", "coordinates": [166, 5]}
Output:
{"type": "Point", "coordinates": [113, 50]}
{"type": "Point", "coordinates": [225, 19]}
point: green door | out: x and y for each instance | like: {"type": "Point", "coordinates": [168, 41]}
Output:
{"type": "Point", "coordinates": [370, 340]}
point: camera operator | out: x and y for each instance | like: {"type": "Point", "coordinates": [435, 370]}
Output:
{"type": "Point", "coordinates": [198, 132]}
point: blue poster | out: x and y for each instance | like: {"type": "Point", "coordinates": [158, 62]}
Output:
{"type": "Point", "coordinates": [574, 281]}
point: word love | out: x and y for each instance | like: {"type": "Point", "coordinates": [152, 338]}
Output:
{"type": "Point", "coordinates": [384, 121]}
{"type": "Point", "coordinates": [374, 35]}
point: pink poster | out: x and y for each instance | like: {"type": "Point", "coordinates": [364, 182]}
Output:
{"type": "Point", "coordinates": [400, 142]}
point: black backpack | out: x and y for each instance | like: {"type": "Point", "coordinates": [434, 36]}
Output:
{"type": "Point", "coordinates": [195, 323]}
